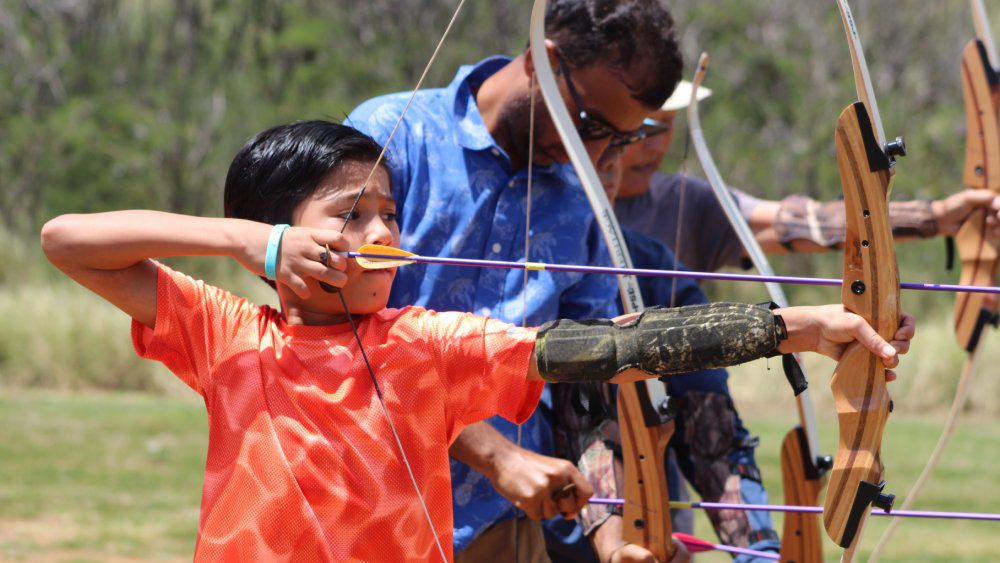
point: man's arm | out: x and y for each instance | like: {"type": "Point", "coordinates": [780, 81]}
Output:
{"type": "Point", "coordinates": [800, 224]}
{"type": "Point", "coordinates": [540, 486]}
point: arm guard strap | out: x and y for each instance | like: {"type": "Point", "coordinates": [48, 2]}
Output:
{"type": "Point", "coordinates": [659, 341]}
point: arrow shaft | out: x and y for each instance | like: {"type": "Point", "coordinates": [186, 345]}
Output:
{"type": "Point", "coordinates": [722, 276]}
{"type": "Point", "coordinates": [814, 509]}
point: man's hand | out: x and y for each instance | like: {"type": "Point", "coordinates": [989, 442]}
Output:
{"type": "Point", "coordinates": [541, 486]}
{"type": "Point", "coordinates": [830, 329]}
{"type": "Point", "coordinates": [952, 211]}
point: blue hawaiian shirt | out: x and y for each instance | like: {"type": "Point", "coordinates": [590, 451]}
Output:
{"type": "Point", "coordinates": [457, 196]}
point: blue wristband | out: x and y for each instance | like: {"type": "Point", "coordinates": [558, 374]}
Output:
{"type": "Point", "coordinates": [273, 246]}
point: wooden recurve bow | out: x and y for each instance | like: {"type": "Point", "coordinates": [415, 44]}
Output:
{"type": "Point", "coordinates": [644, 417]}
{"type": "Point", "coordinates": [871, 290]}
{"type": "Point", "coordinates": [977, 250]}
{"type": "Point", "coordinates": [803, 468]}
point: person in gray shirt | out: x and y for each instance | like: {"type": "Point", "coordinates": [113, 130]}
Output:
{"type": "Point", "coordinates": [651, 202]}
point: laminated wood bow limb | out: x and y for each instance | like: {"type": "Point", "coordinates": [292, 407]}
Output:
{"type": "Point", "coordinates": [871, 290]}
{"type": "Point", "coordinates": [802, 466]}
{"type": "Point", "coordinates": [644, 416]}
{"type": "Point", "coordinates": [978, 251]}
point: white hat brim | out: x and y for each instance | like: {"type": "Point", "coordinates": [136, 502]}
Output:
{"type": "Point", "coordinates": [681, 98]}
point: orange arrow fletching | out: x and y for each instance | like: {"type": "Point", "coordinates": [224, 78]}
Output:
{"type": "Point", "coordinates": [399, 257]}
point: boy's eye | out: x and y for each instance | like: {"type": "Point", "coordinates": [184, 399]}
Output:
{"type": "Point", "coordinates": [390, 216]}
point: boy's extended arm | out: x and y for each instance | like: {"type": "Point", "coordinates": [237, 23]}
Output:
{"type": "Point", "coordinates": [109, 253]}
{"type": "Point", "coordinates": [664, 341]}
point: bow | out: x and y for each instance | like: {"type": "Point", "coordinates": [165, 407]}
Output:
{"type": "Point", "coordinates": [871, 290]}
{"type": "Point", "coordinates": [802, 466]}
{"type": "Point", "coordinates": [644, 416]}
{"type": "Point", "coordinates": [978, 251]}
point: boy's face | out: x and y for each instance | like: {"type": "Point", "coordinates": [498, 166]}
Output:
{"type": "Point", "coordinates": [373, 222]}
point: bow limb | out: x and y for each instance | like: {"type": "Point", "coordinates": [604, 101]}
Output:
{"type": "Point", "coordinates": [982, 24]}
{"type": "Point", "coordinates": [871, 290]}
{"type": "Point", "coordinates": [645, 420]}
{"type": "Point", "coordinates": [978, 251]}
{"type": "Point", "coordinates": [802, 466]}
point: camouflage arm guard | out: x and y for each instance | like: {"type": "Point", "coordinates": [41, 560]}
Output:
{"type": "Point", "coordinates": [659, 341]}
{"type": "Point", "coordinates": [802, 218]}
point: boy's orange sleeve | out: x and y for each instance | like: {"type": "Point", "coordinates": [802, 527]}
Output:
{"type": "Point", "coordinates": [195, 323]}
{"type": "Point", "coordinates": [484, 367]}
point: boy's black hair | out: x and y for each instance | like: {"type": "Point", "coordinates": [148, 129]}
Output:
{"type": "Point", "coordinates": [279, 168]}
{"type": "Point", "coordinates": [636, 37]}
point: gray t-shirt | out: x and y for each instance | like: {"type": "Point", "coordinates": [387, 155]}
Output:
{"type": "Point", "coordinates": [707, 241]}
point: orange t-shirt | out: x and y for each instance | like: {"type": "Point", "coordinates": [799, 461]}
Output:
{"type": "Point", "coordinates": [301, 462]}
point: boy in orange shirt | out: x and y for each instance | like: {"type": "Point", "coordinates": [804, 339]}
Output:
{"type": "Point", "coordinates": [303, 462]}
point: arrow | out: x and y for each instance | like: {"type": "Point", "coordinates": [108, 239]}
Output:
{"type": "Point", "coordinates": [978, 516]}
{"type": "Point", "coordinates": [696, 545]}
{"type": "Point", "coordinates": [376, 256]}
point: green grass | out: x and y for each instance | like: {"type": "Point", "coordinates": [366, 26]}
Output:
{"type": "Point", "coordinates": [100, 476]}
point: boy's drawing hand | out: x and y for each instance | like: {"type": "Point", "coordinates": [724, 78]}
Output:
{"type": "Point", "coordinates": [303, 257]}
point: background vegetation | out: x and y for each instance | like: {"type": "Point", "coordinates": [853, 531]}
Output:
{"type": "Point", "coordinates": [110, 104]}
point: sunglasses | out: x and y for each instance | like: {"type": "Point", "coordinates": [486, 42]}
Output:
{"type": "Point", "coordinates": [593, 129]}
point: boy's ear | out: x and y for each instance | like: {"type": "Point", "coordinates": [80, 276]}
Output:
{"type": "Point", "coordinates": [529, 63]}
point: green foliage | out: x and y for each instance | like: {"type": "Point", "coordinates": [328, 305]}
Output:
{"type": "Point", "coordinates": [120, 104]}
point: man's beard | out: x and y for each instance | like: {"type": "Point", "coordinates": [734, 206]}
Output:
{"type": "Point", "coordinates": [516, 119]}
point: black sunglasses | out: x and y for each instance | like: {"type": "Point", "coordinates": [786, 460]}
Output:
{"type": "Point", "coordinates": [592, 128]}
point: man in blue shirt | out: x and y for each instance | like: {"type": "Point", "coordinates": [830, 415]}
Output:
{"type": "Point", "coordinates": [460, 175]}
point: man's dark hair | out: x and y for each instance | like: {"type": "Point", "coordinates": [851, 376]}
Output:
{"type": "Point", "coordinates": [279, 168]}
{"type": "Point", "coordinates": [636, 37]}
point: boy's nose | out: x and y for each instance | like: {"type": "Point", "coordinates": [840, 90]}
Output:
{"type": "Point", "coordinates": [379, 232]}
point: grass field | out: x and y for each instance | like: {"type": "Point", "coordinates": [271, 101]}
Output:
{"type": "Point", "coordinates": [117, 477]}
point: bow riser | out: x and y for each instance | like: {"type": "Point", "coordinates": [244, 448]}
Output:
{"type": "Point", "coordinates": [646, 522]}
{"type": "Point", "coordinates": [978, 252]}
{"type": "Point", "coordinates": [802, 484]}
{"type": "Point", "coordinates": [871, 290]}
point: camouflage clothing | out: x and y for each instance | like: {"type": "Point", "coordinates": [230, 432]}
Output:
{"type": "Point", "coordinates": [659, 341]}
{"type": "Point", "coordinates": [803, 218]}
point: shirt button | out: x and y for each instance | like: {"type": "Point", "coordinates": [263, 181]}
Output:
{"type": "Point", "coordinates": [496, 248]}
{"type": "Point", "coordinates": [485, 311]}
{"type": "Point", "coordinates": [495, 151]}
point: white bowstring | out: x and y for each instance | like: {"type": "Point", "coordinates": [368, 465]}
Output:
{"type": "Point", "coordinates": [357, 337]}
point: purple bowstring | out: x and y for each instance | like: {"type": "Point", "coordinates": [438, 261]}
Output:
{"type": "Point", "coordinates": [662, 273]}
{"type": "Point", "coordinates": [982, 516]}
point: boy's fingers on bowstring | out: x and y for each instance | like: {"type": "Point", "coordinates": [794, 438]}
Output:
{"type": "Point", "coordinates": [317, 270]}
{"type": "Point", "coordinates": [331, 243]}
